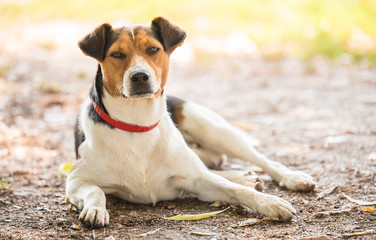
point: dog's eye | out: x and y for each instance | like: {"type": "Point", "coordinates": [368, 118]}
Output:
{"type": "Point", "coordinates": [152, 50]}
{"type": "Point", "coordinates": [117, 55]}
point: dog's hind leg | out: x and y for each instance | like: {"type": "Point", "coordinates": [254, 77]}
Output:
{"type": "Point", "coordinates": [211, 131]}
{"type": "Point", "coordinates": [211, 187]}
{"type": "Point", "coordinates": [212, 159]}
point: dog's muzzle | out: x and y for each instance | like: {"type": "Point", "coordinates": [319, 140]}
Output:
{"type": "Point", "coordinates": [140, 84]}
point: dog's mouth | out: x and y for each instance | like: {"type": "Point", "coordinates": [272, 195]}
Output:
{"type": "Point", "coordinates": [141, 94]}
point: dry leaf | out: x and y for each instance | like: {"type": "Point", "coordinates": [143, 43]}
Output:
{"type": "Point", "coordinates": [191, 217]}
{"type": "Point", "coordinates": [246, 126]}
{"type": "Point", "coordinates": [218, 204]}
{"type": "Point", "coordinates": [327, 213]}
{"type": "Point", "coordinates": [326, 192]}
{"type": "Point", "coordinates": [367, 232]}
{"type": "Point", "coordinates": [368, 209]}
{"type": "Point", "coordinates": [171, 206]}
{"type": "Point", "coordinates": [76, 227]}
{"type": "Point", "coordinates": [359, 202]}
{"type": "Point", "coordinates": [203, 234]}
{"type": "Point", "coordinates": [248, 222]}
{"type": "Point", "coordinates": [149, 233]}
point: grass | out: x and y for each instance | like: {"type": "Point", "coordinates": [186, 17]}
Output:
{"type": "Point", "coordinates": [4, 185]}
{"type": "Point", "coordinates": [308, 27]}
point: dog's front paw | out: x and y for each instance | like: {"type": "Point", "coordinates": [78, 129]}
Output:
{"type": "Point", "coordinates": [297, 181]}
{"type": "Point", "coordinates": [272, 206]}
{"type": "Point", "coordinates": [95, 217]}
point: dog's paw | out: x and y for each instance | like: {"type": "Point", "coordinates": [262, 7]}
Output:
{"type": "Point", "coordinates": [250, 180]}
{"type": "Point", "coordinates": [297, 181]}
{"type": "Point", "coordinates": [272, 206]}
{"type": "Point", "coordinates": [245, 178]}
{"type": "Point", "coordinates": [95, 217]}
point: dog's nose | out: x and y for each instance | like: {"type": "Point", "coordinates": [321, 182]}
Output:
{"type": "Point", "coordinates": [140, 77]}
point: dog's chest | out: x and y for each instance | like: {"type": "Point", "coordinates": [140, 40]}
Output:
{"type": "Point", "coordinates": [136, 166]}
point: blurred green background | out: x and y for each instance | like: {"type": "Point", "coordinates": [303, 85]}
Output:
{"type": "Point", "coordinates": [332, 28]}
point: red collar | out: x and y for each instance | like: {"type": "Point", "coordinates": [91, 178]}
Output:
{"type": "Point", "coordinates": [121, 125]}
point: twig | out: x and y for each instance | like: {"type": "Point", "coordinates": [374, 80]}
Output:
{"type": "Point", "coordinates": [149, 233]}
{"type": "Point", "coordinates": [326, 192]}
{"type": "Point", "coordinates": [355, 234]}
{"type": "Point", "coordinates": [202, 234]}
{"type": "Point", "coordinates": [327, 213]}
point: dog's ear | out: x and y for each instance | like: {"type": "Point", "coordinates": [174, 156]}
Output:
{"type": "Point", "coordinates": [170, 35]}
{"type": "Point", "coordinates": [94, 43]}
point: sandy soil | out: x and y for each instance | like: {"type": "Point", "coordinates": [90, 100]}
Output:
{"type": "Point", "coordinates": [316, 116]}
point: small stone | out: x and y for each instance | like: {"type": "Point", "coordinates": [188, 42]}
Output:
{"type": "Point", "coordinates": [171, 206]}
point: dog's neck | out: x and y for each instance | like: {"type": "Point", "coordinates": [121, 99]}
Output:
{"type": "Point", "coordinates": [137, 111]}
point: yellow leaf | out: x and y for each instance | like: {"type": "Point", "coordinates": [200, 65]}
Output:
{"type": "Point", "coordinates": [191, 217]}
{"type": "Point", "coordinates": [76, 227]}
{"type": "Point", "coordinates": [368, 209]}
{"type": "Point", "coordinates": [65, 168]}
{"type": "Point", "coordinates": [359, 202]}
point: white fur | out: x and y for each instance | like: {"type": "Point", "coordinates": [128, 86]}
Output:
{"type": "Point", "coordinates": [139, 65]}
{"type": "Point", "coordinates": [157, 165]}
{"type": "Point", "coordinates": [136, 111]}
{"type": "Point", "coordinates": [216, 135]}
{"type": "Point", "coordinates": [149, 167]}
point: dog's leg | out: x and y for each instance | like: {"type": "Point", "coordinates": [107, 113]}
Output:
{"type": "Point", "coordinates": [212, 187]}
{"type": "Point", "coordinates": [211, 159]}
{"type": "Point", "coordinates": [244, 178]}
{"type": "Point", "coordinates": [213, 132]}
{"type": "Point", "coordinates": [91, 199]}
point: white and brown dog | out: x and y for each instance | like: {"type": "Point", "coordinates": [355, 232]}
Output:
{"type": "Point", "coordinates": [128, 144]}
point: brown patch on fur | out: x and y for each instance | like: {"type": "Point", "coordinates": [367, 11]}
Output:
{"type": "Point", "coordinates": [179, 116]}
{"type": "Point", "coordinates": [175, 107]}
{"type": "Point", "coordinates": [133, 45]}
{"type": "Point", "coordinates": [113, 69]}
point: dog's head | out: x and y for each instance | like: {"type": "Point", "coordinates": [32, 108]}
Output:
{"type": "Point", "coordinates": [134, 60]}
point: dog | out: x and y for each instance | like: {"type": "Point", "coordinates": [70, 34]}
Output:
{"type": "Point", "coordinates": [134, 142]}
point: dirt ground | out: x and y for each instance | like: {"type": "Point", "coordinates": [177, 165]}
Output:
{"type": "Point", "coordinates": [318, 116]}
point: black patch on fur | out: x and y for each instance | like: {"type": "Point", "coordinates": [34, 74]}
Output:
{"type": "Point", "coordinates": [111, 39]}
{"type": "Point", "coordinates": [173, 104]}
{"type": "Point", "coordinates": [96, 95]}
{"type": "Point", "coordinates": [168, 34]}
{"type": "Point", "coordinates": [79, 136]}
{"type": "Point", "coordinates": [96, 91]}
{"type": "Point", "coordinates": [152, 33]}
{"type": "Point", "coordinates": [97, 43]}
{"type": "Point", "coordinates": [95, 46]}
